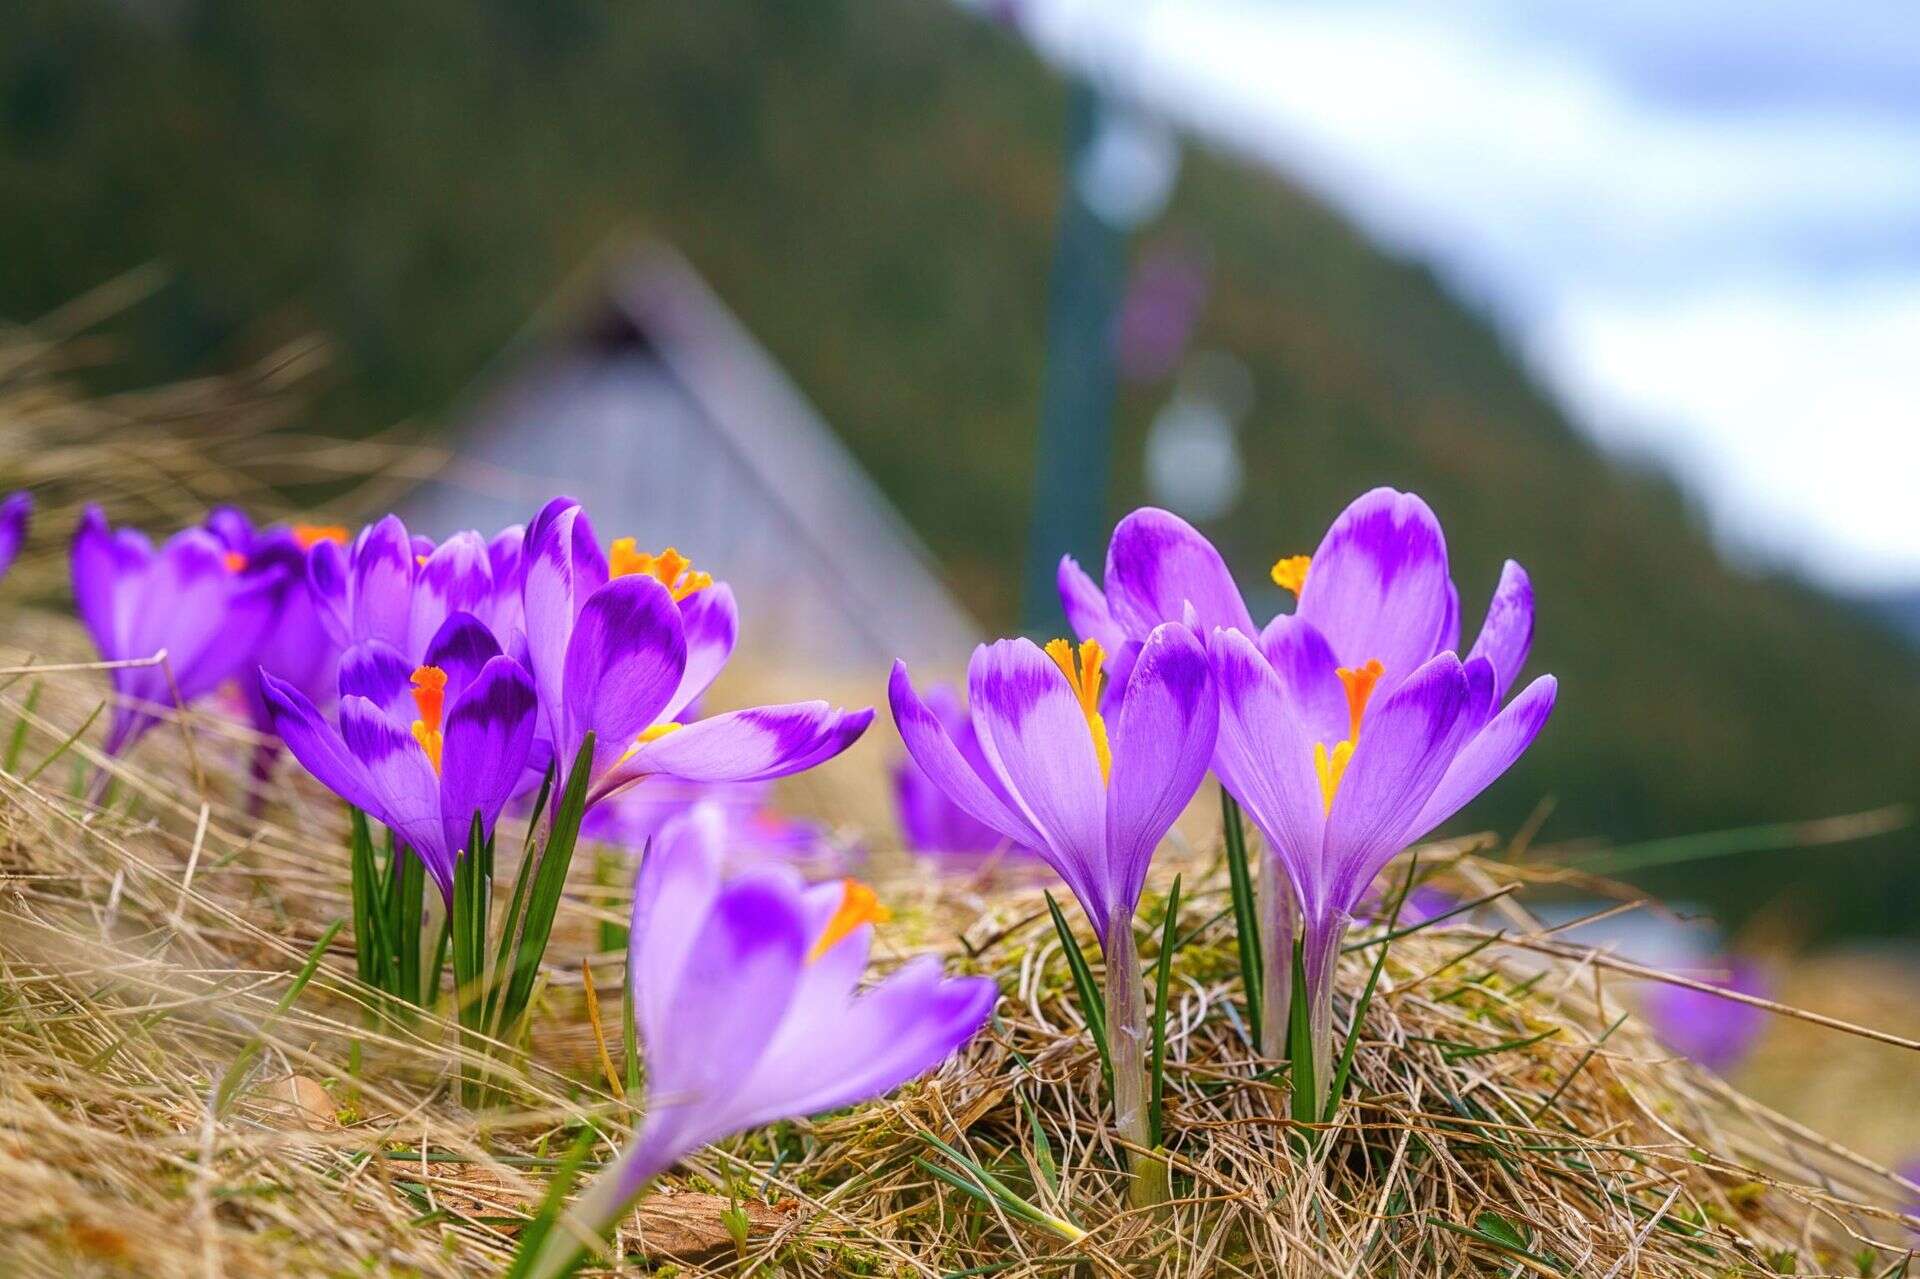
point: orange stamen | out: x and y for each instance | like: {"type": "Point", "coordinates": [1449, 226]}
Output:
{"type": "Point", "coordinates": [859, 905]}
{"type": "Point", "coordinates": [1085, 683]}
{"type": "Point", "coordinates": [1360, 683]}
{"type": "Point", "coordinates": [1290, 573]}
{"type": "Point", "coordinates": [234, 561]}
{"type": "Point", "coordinates": [669, 568]}
{"type": "Point", "coordinates": [311, 535]}
{"type": "Point", "coordinates": [429, 697]}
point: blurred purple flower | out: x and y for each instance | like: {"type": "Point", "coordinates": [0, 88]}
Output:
{"type": "Point", "coordinates": [1718, 1033]}
{"type": "Point", "coordinates": [1157, 316]}
{"type": "Point", "coordinates": [420, 749]}
{"type": "Point", "coordinates": [391, 586]}
{"type": "Point", "coordinates": [749, 827]}
{"type": "Point", "coordinates": [191, 599]}
{"type": "Point", "coordinates": [15, 514]}
{"type": "Point", "coordinates": [930, 820]}
{"type": "Point", "coordinates": [621, 645]}
{"type": "Point", "coordinates": [1369, 647]}
{"type": "Point", "coordinates": [747, 997]}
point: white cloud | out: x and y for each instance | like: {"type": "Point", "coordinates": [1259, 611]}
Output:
{"type": "Point", "coordinates": [1736, 289]}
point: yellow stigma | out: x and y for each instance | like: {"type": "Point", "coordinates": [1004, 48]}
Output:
{"type": "Point", "coordinates": [1085, 683]}
{"type": "Point", "coordinates": [1359, 682]}
{"type": "Point", "coordinates": [429, 697]}
{"type": "Point", "coordinates": [1290, 573]}
{"type": "Point", "coordinates": [311, 535]}
{"type": "Point", "coordinates": [1331, 769]}
{"type": "Point", "coordinates": [858, 905]}
{"type": "Point", "coordinates": [669, 568]}
{"type": "Point", "coordinates": [235, 561]}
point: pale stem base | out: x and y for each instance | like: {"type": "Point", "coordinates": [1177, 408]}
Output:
{"type": "Point", "coordinates": [1279, 924]}
{"type": "Point", "coordinates": [1127, 1046]}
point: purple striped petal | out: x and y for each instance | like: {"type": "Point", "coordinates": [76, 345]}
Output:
{"type": "Point", "coordinates": [316, 743]}
{"type": "Point", "coordinates": [1407, 741]}
{"type": "Point", "coordinates": [100, 565]}
{"type": "Point", "coordinates": [712, 623]}
{"type": "Point", "coordinates": [382, 675]}
{"type": "Point", "coordinates": [1378, 588]}
{"type": "Point", "coordinates": [672, 896]}
{"type": "Point", "coordinates": [1506, 637]}
{"type": "Point", "coordinates": [560, 576]}
{"type": "Point", "coordinates": [1301, 657]}
{"type": "Point", "coordinates": [461, 647]}
{"type": "Point", "coordinates": [489, 730]}
{"type": "Point", "coordinates": [380, 585]}
{"type": "Point", "coordinates": [624, 660]}
{"type": "Point", "coordinates": [402, 791]}
{"type": "Point", "coordinates": [970, 784]}
{"type": "Point", "coordinates": [328, 573]}
{"type": "Point", "coordinates": [1489, 753]}
{"type": "Point", "coordinates": [456, 578]}
{"type": "Point", "coordinates": [1086, 606]}
{"type": "Point", "coordinates": [1037, 741]}
{"type": "Point", "coordinates": [1162, 738]}
{"type": "Point", "coordinates": [1264, 757]}
{"type": "Point", "coordinates": [744, 746]}
{"type": "Point", "coordinates": [1157, 564]}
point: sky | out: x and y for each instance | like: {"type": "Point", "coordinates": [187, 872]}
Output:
{"type": "Point", "coordinates": [1699, 222]}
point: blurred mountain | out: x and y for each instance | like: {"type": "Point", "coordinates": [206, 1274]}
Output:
{"type": "Point", "coordinates": [1900, 610]}
{"type": "Point", "coordinates": [872, 189]}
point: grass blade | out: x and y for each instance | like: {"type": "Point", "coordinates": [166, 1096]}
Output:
{"type": "Point", "coordinates": [1306, 1099]}
{"type": "Point", "coordinates": [1091, 1005]}
{"type": "Point", "coordinates": [535, 1235]}
{"type": "Point", "coordinates": [549, 880]}
{"type": "Point", "coordinates": [509, 925]}
{"type": "Point", "coordinates": [229, 1082]}
{"type": "Point", "coordinates": [1156, 1097]}
{"type": "Point", "coordinates": [1246, 915]}
{"type": "Point", "coordinates": [18, 741]}
{"type": "Point", "coordinates": [1340, 1072]}
{"type": "Point", "coordinates": [373, 949]}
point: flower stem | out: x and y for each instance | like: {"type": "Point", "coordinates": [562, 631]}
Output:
{"type": "Point", "coordinates": [1127, 1046]}
{"type": "Point", "coordinates": [1279, 925]}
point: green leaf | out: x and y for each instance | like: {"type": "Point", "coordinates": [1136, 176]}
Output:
{"type": "Point", "coordinates": [1305, 1102]}
{"type": "Point", "coordinates": [1501, 1231]}
{"type": "Point", "coordinates": [510, 924]}
{"type": "Point", "coordinates": [1042, 1148]}
{"type": "Point", "coordinates": [18, 742]}
{"type": "Point", "coordinates": [1156, 1097]}
{"type": "Point", "coordinates": [373, 949]}
{"type": "Point", "coordinates": [543, 898]}
{"type": "Point", "coordinates": [1091, 1006]}
{"type": "Point", "coordinates": [1246, 916]}
{"type": "Point", "coordinates": [406, 909]}
{"type": "Point", "coordinates": [543, 1222]}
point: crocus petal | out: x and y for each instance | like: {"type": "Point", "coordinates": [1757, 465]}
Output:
{"type": "Point", "coordinates": [97, 573]}
{"type": "Point", "coordinates": [1407, 743]}
{"type": "Point", "coordinates": [402, 790]}
{"type": "Point", "coordinates": [1378, 588]}
{"type": "Point", "coordinates": [712, 623]}
{"type": "Point", "coordinates": [328, 572]}
{"type": "Point", "coordinates": [1086, 606]}
{"type": "Point", "coordinates": [1157, 564]}
{"type": "Point", "coordinates": [382, 675]}
{"type": "Point", "coordinates": [461, 647]}
{"type": "Point", "coordinates": [1162, 740]}
{"type": "Point", "coordinates": [315, 743]}
{"type": "Point", "coordinates": [625, 659]}
{"type": "Point", "coordinates": [672, 895]}
{"type": "Point", "coordinates": [1264, 758]}
{"type": "Point", "coordinates": [1507, 635]}
{"type": "Point", "coordinates": [489, 730]}
{"type": "Point", "coordinates": [1301, 657]}
{"type": "Point", "coordinates": [752, 948]}
{"type": "Point", "coordinates": [380, 584]}
{"type": "Point", "coordinates": [744, 746]}
{"type": "Point", "coordinates": [902, 1028]}
{"type": "Point", "coordinates": [456, 578]}
{"type": "Point", "coordinates": [559, 578]}
{"type": "Point", "coordinates": [934, 750]}
{"type": "Point", "coordinates": [1037, 740]}
{"type": "Point", "coordinates": [14, 514]}
{"type": "Point", "coordinates": [1490, 753]}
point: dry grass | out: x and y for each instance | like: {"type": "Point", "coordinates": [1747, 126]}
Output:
{"type": "Point", "coordinates": [1508, 1119]}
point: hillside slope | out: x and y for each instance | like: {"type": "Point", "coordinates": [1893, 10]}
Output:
{"type": "Point", "coordinates": [872, 186]}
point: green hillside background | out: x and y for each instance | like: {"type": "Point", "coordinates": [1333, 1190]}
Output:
{"type": "Point", "coordinates": [873, 188]}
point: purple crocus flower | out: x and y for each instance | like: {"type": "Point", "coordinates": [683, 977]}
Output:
{"type": "Point", "coordinates": [747, 1000]}
{"type": "Point", "coordinates": [1093, 801]}
{"type": "Point", "coordinates": [1718, 1033]}
{"type": "Point", "coordinates": [741, 815]}
{"type": "Point", "coordinates": [15, 513]}
{"type": "Point", "coordinates": [420, 749]}
{"type": "Point", "coordinates": [294, 647]}
{"type": "Point", "coordinates": [191, 599]}
{"type": "Point", "coordinates": [930, 820]}
{"type": "Point", "coordinates": [389, 585]}
{"type": "Point", "coordinates": [620, 645]}
{"type": "Point", "coordinates": [1350, 729]}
